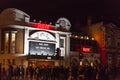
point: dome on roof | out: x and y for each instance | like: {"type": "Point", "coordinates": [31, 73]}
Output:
{"type": "Point", "coordinates": [14, 10]}
{"type": "Point", "coordinates": [11, 16]}
{"type": "Point", "coordinates": [64, 23]}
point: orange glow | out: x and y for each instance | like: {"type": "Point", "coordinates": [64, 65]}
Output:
{"type": "Point", "coordinates": [98, 33]}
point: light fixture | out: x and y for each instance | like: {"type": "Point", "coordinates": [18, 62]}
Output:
{"type": "Point", "coordinates": [93, 39]}
{"type": "Point", "coordinates": [81, 37]}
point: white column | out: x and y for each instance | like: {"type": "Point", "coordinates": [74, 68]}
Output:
{"type": "Point", "coordinates": [26, 42]}
{"type": "Point", "coordinates": [57, 36]}
{"type": "Point", "coordinates": [67, 49]}
{"type": "Point", "coordinates": [68, 45]}
{"type": "Point", "coordinates": [57, 40]}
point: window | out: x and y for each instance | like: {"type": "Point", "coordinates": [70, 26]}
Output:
{"type": "Point", "coordinates": [12, 48]}
{"type": "Point", "coordinates": [108, 42]}
{"type": "Point", "coordinates": [6, 48]}
{"type": "Point", "coordinates": [9, 62]}
{"type": "Point", "coordinates": [62, 43]}
{"type": "Point", "coordinates": [8, 41]}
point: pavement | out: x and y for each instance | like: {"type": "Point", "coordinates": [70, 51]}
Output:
{"type": "Point", "coordinates": [117, 77]}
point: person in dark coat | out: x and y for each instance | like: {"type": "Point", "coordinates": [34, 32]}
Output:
{"type": "Point", "coordinates": [31, 70]}
{"type": "Point", "coordinates": [37, 73]}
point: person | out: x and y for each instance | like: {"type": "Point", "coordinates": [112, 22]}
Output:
{"type": "Point", "coordinates": [27, 72]}
{"type": "Point", "coordinates": [10, 72]}
{"type": "Point", "coordinates": [37, 73]}
{"type": "Point", "coordinates": [31, 70]}
{"type": "Point", "coordinates": [3, 74]}
{"type": "Point", "coordinates": [75, 72]}
{"type": "Point", "coordinates": [17, 72]}
{"type": "Point", "coordinates": [95, 71]}
{"type": "Point", "coordinates": [102, 72]}
{"type": "Point", "coordinates": [22, 71]}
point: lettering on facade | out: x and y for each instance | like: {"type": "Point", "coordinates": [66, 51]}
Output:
{"type": "Point", "coordinates": [43, 36]}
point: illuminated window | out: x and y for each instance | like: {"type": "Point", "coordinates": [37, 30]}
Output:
{"type": "Point", "coordinates": [6, 49]}
{"type": "Point", "coordinates": [12, 48]}
{"type": "Point", "coordinates": [8, 41]}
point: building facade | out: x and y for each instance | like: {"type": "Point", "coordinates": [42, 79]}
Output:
{"type": "Point", "coordinates": [31, 43]}
{"type": "Point", "coordinates": [84, 49]}
{"type": "Point", "coordinates": [107, 36]}
{"type": "Point", "coordinates": [112, 40]}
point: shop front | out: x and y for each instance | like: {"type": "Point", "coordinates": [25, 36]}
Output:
{"type": "Point", "coordinates": [88, 56]}
{"type": "Point", "coordinates": [84, 49]}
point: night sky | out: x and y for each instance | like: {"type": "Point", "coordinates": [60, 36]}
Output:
{"type": "Point", "coordinates": [74, 10]}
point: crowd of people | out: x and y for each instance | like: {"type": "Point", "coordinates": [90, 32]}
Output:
{"type": "Point", "coordinates": [86, 72]}
{"type": "Point", "coordinates": [10, 72]}
{"type": "Point", "coordinates": [33, 73]}
{"type": "Point", "coordinates": [96, 72]}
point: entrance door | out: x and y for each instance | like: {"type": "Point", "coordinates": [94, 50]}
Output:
{"type": "Point", "coordinates": [42, 63]}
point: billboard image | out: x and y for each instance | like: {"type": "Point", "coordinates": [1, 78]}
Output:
{"type": "Point", "coordinates": [41, 48]}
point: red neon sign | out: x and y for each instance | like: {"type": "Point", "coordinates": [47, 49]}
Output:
{"type": "Point", "coordinates": [86, 49]}
{"type": "Point", "coordinates": [42, 26]}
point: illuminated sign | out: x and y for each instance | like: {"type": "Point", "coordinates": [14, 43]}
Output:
{"type": "Point", "coordinates": [42, 26]}
{"type": "Point", "coordinates": [86, 49]}
{"type": "Point", "coordinates": [40, 48]}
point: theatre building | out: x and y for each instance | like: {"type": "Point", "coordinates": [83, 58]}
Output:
{"type": "Point", "coordinates": [36, 43]}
